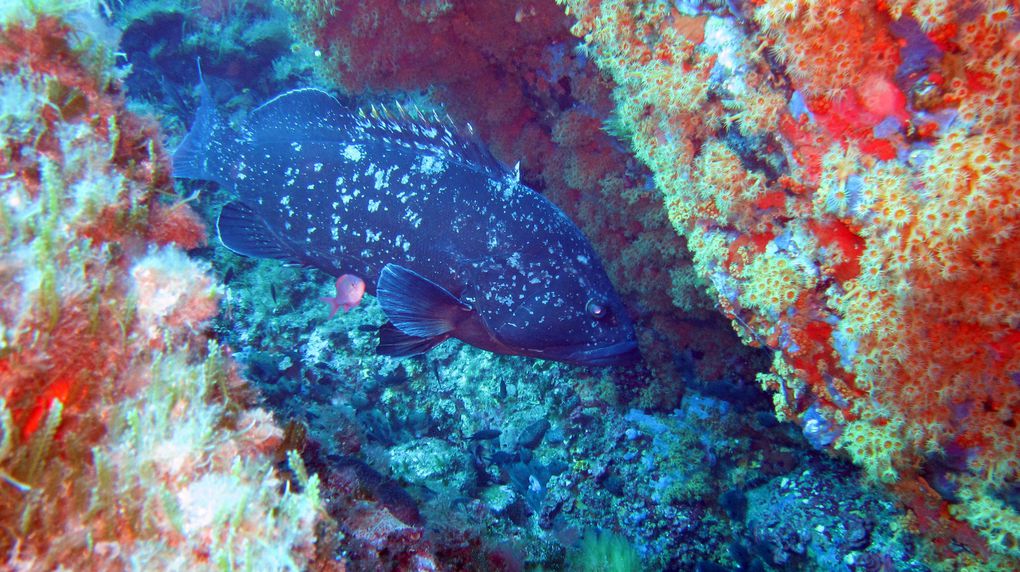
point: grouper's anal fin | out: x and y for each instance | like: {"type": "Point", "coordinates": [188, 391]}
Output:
{"type": "Point", "coordinates": [394, 343]}
{"type": "Point", "coordinates": [416, 305]}
{"type": "Point", "coordinates": [243, 231]}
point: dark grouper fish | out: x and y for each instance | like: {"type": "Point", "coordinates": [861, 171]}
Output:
{"type": "Point", "coordinates": [449, 240]}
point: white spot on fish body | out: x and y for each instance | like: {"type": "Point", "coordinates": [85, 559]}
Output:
{"type": "Point", "coordinates": [382, 179]}
{"type": "Point", "coordinates": [353, 153]}
{"type": "Point", "coordinates": [285, 200]}
{"type": "Point", "coordinates": [430, 165]}
{"type": "Point", "coordinates": [296, 146]}
{"type": "Point", "coordinates": [373, 205]}
{"type": "Point", "coordinates": [317, 167]}
{"type": "Point", "coordinates": [412, 217]}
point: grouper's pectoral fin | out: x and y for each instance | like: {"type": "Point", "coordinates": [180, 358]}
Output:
{"type": "Point", "coordinates": [394, 343]}
{"type": "Point", "coordinates": [243, 231]}
{"type": "Point", "coordinates": [417, 306]}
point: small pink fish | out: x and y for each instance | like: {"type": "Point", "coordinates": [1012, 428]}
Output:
{"type": "Point", "coordinates": [349, 291]}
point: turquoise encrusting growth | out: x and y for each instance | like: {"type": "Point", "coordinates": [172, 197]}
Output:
{"type": "Point", "coordinates": [681, 170]}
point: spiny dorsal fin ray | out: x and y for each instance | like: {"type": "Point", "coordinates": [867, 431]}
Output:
{"type": "Point", "coordinates": [429, 132]}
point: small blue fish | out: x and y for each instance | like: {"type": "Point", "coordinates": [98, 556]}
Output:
{"type": "Point", "coordinates": [449, 240]}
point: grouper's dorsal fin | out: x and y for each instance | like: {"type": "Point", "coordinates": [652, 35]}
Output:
{"type": "Point", "coordinates": [306, 114]}
{"type": "Point", "coordinates": [430, 132]}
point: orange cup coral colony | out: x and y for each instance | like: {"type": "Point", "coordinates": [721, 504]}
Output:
{"type": "Point", "coordinates": [880, 266]}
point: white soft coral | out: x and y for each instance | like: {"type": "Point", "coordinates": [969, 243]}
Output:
{"type": "Point", "coordinates": [174, 293]}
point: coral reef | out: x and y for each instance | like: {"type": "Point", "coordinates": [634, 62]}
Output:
{"type": "Point", "coordinates": [839, 179]}
{"type": "Point", "coordinates": [128, 439]}
{"type": "Point", "coordinates": [846, 178]}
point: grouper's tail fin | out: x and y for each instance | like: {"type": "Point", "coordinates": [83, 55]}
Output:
{"type": "Point", "coordinates": [204, 152]}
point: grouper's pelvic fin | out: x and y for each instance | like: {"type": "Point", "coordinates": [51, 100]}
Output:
{"type": "Point", "coordinates": [205, 152]}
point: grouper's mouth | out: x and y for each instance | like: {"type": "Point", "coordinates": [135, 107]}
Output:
{"type": "Point", "coordinates": [622, 353]}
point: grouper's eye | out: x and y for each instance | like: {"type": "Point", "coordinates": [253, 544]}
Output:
{"type": "Point", "coordinates": [597, 309]}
